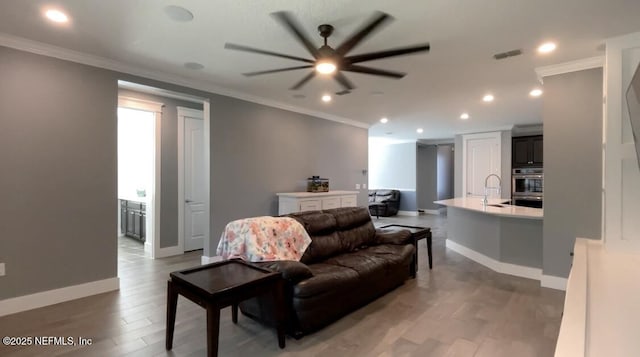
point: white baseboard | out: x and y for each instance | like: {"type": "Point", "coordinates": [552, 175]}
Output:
{"type": "Point", "coordinates": [208, 260]}
{"type": "Point", "coordinates": [408, 213]}
{"type": "Point", "coordinates": [51, 297]}
{"type": "Point", "coordinates": [500, 267]}
{"type": "Point", "coordinates": [554, 282]}
{"type": "Point", "coordinates": [169, 251]}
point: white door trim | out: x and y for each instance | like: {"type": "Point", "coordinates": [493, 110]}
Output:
{"type": "Point", "coordinates": [182, 113]}
{"type": "Point", "coordinates": [490, 135]}
{"type": "Point", "coordinates": [152, 244]}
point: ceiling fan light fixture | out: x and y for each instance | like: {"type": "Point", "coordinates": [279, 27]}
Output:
{"type": "Point", "coordinates": [56, 16]}
{"type": "Point", "coordinates": [326, 67]}
{"type": "Point", "coordinates": [547, 47]}
{"type": "Point", "coordinates": [536, 92]}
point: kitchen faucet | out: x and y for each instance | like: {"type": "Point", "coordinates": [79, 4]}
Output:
{"type": "Point", "coordinates": [486, 188]}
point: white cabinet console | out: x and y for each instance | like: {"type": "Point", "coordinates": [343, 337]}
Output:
{"type": "Point", "coordinates": [601, 311]}
{"type": "Point", "coordinates": [290, 202]}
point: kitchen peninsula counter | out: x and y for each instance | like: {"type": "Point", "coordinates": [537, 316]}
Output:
{"type": "Point", "coordinates": [496, 207]}
{"type": "Point", "coordinates": [502, 237]}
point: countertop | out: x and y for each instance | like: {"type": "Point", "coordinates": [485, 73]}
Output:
{"type": "Point", "coordinates": [316, 194]}
{"type": "Point", "coordinates": [601, 314]}
{"type": "Point", "coordinates": [475, 204]}
{"type": "Point", "coordinates": [134, 199]}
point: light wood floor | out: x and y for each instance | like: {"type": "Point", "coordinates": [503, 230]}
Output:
{"type": "Point", "coordinates": [460, 308]}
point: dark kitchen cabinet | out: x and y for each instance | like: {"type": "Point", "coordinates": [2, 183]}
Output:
{"type": "Point", "coordinates": [133, 219]}
{"type": "Point", "coordinates": [527, 151]}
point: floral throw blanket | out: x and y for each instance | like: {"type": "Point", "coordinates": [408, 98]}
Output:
{"type": "Point", "coordinates": [264, 239]}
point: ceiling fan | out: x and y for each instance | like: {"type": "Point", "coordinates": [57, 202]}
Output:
{"type": "Point", "coordinates": [329, 61]}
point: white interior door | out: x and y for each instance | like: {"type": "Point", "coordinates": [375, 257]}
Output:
{"type": "Point", "coordinates": [196, 224]}
{"type": "Point", "coordinates": [481, 158]}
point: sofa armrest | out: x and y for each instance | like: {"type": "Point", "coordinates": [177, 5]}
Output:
{"type": "Point", "coordinates": [393, 236]}
{"type": "Point", "coordinates": [292, 271]}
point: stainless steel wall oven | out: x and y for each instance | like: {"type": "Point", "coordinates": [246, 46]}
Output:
{"type": "Point", "coordinates": [527, 186]}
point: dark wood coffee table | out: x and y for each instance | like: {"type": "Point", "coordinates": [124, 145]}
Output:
{"type": "Point", "coordinates": [418, 234]}
{"type": "Point", "coordinates": [218, 285]}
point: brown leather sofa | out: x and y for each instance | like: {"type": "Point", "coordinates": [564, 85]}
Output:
{"type": "Point", "coordinates": [384, 202]}
{"type": "Point", "coordinates": [348, 264]}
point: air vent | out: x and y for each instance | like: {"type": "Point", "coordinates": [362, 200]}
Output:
{"type": "Point", "coordinates": [507, 54]}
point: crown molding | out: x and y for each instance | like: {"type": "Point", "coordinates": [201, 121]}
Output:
{"type": "Point", "coordinates": [62, 53]}
{"type": "Point", "coordinates": [141, 88]}
{"type": "Point", "coordinates": [567, 67]}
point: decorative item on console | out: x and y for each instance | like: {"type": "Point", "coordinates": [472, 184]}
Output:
{"type": "Point", "coordinates": [317, 184]}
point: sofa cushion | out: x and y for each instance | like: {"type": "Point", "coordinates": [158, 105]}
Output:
{"type": "Point", "coordinates": [326, 278]}
{"type": "Point", "coordinates": [393, 236]}
{"type": "Point", "coordinates": [392, 253]}
{"type": "Point", "coordinates": [292, 271]}
{"type": "Point", "coordinates": [325, 241]}
{"type": "Point", "coordinates": [323, 247]}
{"type": "Point", "coordinates": [355, 227]}
{"type": "Point", "coordinates": [316, 222]}
{"type": "Point", "coordinates": [368, 266]}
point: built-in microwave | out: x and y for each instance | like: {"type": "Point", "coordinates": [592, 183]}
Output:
{"type": "Point", "coordinates": [527, 186]}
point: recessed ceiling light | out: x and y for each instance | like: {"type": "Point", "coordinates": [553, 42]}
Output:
{"type": "Point", "coordinates": [419, 130]}
{"type": "Point", "coordinates": [325, 67]}
{"type": "Point", "coordinates": [178, 13]}
{"type": "Point", "coordinates": [194, 65]}
{"type": "Point", "coordinates": [464, 116]}
{"type": "Point", "coordinates": [384, 120]}
{"type": "Point", "coordinates": [547, 47]}
{"type": "Point", "coordinates": [536, 92]}
{"type": "Point", "coordinates": [56, 16]}
{"type": "Point", "coordinates": [488, 98]}
{"type": "Point", "coordinates": [326, 98]}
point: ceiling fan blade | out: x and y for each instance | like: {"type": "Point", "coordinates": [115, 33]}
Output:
{"type": "Point", "coordinates": [303, 81]}
{"type": "Point", "coordinates": [290, 24]}
{"type": "Point", "coordinates": [374, 71]}
{"type": "Point", "coordinates": [232, 46]}
{"type": "Point", "coordinates": [343, 92]}
{"type": "Point", "coordinates": [251, 74]}
{"type": "Point", "coordinates": [387, 53]}
{"type": "Point", "coordinates": [361, 34]}
{"type": "Point", "coordinates": [342, 79]}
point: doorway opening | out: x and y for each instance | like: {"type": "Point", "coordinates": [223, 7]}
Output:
{"type": "Point", "coordinates": [138, 168]}
{"type": "Point", "coordinates": [168, 219]}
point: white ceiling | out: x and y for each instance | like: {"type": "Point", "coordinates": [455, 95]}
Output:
{"type": "Point", "coordinates": [452, 78]}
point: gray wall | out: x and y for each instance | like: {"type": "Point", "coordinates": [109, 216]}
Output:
{"type": "Point", "coordinates": [509, 240]}
{"type": "Point", "coordinates": [572, 116]}
{"type": "Point", "coordinates": [445, 167]}
{"type": "Point", "coordinates": [58, 149]}
{"type": "Point", "coordinates": [257, 151]}
{"type": "Point", "coordinates": [427, 176]}
{"type": "Point", "coordinates": [393, 166]}
{"type": "Point", "coordinates": [169, 164]}
{"type": "Point", "coordinates": [505, 165]}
